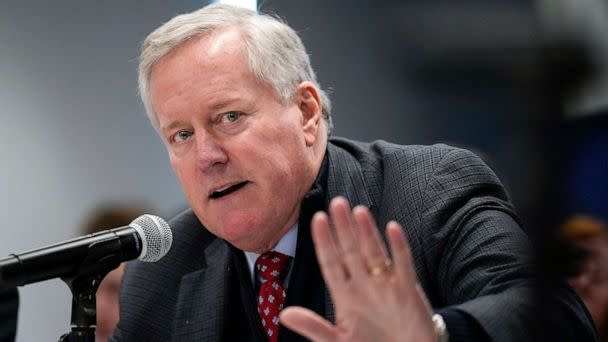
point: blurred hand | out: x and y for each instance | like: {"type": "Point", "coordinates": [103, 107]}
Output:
{"type": "Point", "coordinates": [376, 299]}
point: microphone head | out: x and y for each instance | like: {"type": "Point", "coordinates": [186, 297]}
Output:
{"type": "Point", "coordinates": [156, 237]}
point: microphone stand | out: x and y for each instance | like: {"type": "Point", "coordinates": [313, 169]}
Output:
{"type": "Point", "coordinates": [84, 312]}
{"type": "Point", "coordinates": [84, 285]}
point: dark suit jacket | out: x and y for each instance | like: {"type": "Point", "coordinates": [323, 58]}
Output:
{"type": "Point", "coordinates": [470, 252]}
{"type": "Point", "coordinates": [9, 305]}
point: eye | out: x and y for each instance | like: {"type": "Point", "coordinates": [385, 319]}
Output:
{"type": "Point", "coordinates": [230, 117]}
{"type": "Point", "coordinates": [181, 136]}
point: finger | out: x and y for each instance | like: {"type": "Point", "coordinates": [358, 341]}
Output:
{"type": "Point", "coordinates": [346, 240]}
{"type": "Point", "coordinates": [402, 257]}
{"type": "Point", "coordinates": [327, 253]}
{"type": "Point", "coordinates": [425, 301]}
{"type": "Point", "coordinates": [308, 324]}
{"type": "Point", "coordinates": [372, 246]}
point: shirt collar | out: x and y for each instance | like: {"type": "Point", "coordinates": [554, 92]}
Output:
{"type": "Point", "coordinates": [287, 246]}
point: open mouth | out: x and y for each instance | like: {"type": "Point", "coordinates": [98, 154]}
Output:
{"type": "Point", "coordinates": [228, 190]}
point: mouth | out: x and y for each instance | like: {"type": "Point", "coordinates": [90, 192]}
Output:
{"type": "Point", "coordinates": [227, 190]}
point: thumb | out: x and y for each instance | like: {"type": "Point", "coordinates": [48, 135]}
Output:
{"type": "Point", "coordinates": [308, 324]}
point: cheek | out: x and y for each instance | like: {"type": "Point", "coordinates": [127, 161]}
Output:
{"type": "Point", "coordinates": [277, 166]}
{"type": "Point", "coordinates": [282, 146]}
{"type": "Point", "coordinates": [282, 183]}
{"type": "Point", "coordinates": [185, 172]}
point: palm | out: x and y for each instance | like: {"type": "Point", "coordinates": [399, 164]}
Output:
{"type": "Point", "coordinates": [373, 300]}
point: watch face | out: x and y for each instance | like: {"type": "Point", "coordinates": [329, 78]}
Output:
{"type": "Point", "coordinates": [440, 328]}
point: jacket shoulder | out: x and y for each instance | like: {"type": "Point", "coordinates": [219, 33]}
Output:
{"type": "Point", "coordinates": [385, 156]}
{"type": "Point", "coordinates": [154, 287]}
{"type": "Point", "coordinates": [189, 240]}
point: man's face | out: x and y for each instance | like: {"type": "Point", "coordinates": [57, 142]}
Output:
{"type": "Point", "coordinates": [244, 160]}
{"type": "Point", "coordinates": [597, 294]}
{"type": "Point", "coordinates": [594, 289]}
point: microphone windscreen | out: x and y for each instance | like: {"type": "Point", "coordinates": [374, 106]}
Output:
{"type": "Point", "coordinates": [156, 237]}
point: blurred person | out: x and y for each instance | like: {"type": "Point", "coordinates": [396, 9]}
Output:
{"type": "Point", "coordinates": [102, 218]}
{"type": "Point", "coordinates": [248, 131]}
{"type": "Point", "coordinates": [9, 307]}
{"type": "Point", "coordinates": [584, 241]}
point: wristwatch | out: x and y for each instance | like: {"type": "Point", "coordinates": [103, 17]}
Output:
{"type": "Point", "coordinates": [440, 329]}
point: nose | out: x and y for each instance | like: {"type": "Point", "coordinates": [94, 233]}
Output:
{"type": "Point", "coordinates": [209, 152]}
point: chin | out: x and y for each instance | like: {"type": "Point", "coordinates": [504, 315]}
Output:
{"type": "Point", "coordinates": [243, 231]}
{"type": "Point", "coordinates": [250, 243]}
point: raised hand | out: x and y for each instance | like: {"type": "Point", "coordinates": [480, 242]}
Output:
{"type": "Point", "coordinates": [376, 298]}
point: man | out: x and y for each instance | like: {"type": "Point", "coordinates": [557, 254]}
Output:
{"type": "Point", "coordinates": [584, 242]}
{"type": "Point", "coordinates": [247, 128]}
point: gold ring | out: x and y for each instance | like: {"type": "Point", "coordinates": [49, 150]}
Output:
{"type": "Point", "coordinates": [379, 270]}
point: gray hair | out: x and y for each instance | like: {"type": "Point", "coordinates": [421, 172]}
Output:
{"type": "Point", "coordinates": [275, 52]}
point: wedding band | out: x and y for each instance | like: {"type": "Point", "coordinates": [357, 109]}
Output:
{"type": "Point", "coordinates": [379, 270]}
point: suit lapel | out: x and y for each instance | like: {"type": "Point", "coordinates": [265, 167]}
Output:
{"type": "Point", "coordinates": [201, 304]}
{"type": "Point", "coordinates": [345, 178]}
{"type": "Point", "coordinates": [248, 299]}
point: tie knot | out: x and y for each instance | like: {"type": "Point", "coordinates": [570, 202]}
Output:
{"type": "Point", "coordinates": [270, 265]}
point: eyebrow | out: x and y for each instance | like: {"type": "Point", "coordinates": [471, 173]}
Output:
{"type": "Point", "coordinates": [170, 126]}
{"type": "Point", "coordinates": [213, 108]}
{"type": "Point", "coordinates": [221, 105]}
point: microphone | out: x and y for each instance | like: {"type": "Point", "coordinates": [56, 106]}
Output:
{"type": "Point", "coordinates": [148, 238]}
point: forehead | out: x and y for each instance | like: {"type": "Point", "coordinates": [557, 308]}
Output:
{"type": "Point", "coordinates": [222, 42]}
{"type": "Point", "coordinates": [202, 69]}
{"type": "Point", "coordinates": [221, 49]}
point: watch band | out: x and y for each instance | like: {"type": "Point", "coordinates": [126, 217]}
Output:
{"type": "Point", "coordinates": [440, 328]}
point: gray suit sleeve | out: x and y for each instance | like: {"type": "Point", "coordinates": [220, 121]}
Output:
{"type": "Point", "coordinates": [477, 251]}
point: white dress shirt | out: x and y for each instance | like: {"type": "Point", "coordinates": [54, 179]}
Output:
{"type": "Point", "coordinates": [287, 246]}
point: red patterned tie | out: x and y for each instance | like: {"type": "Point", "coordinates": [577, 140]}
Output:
{"type": "Point", "coordinates": [271, 299]}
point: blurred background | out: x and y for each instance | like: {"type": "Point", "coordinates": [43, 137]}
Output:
{"type": "Point", "coordinates": [522, 83]}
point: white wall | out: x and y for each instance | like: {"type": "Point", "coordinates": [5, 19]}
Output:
{"type": "Point", "coordinates": [73, 132]}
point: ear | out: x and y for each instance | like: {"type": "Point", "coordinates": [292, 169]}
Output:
{"type": "Point", "coordinates": [309, 104]}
